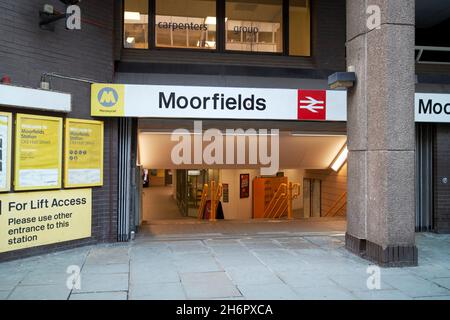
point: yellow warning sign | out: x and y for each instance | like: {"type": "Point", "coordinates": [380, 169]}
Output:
{"type": "Point", "coordinates": [33, 219]}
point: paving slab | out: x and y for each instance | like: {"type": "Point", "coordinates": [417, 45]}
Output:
{"type": "Point", "coordinates": [44, 292]}
{"type": "Point", "coordinates": [381, 295]}
{"type": "Point", "coordinates": [356, 282]}
{"type": "Point", "coordinates": [415, 287]}
{"type": "Point", "coordinates": [434, 298]}
{"type": "Point", "coordinates": [301, 279]}
{"type": "Point", "coordinates": [236, 260]}
{"type": "Point", "coordinates": [252, 275]}
{"type": "Point", "coordinates": [117, 295]}
{"type": "Point", "coordinates": [200, 262]}
{"type": "Point", "coordinates": [186, 247]}
{"type": "Point", "coordinates": [208, 285]}
{"type": "Point", "coordinates": [108, 255]}
{"type": "Point", "coordinates": [268, 292]}
{"type": "Point", "coordinates": [443, 282]}
{"type": "Point", "coordinates": [323, 293]}
{"type": "Point", "coordinates": [157, 291]}
{"type": "Point", "coordinates": [103, 282]}
{"type": "Point", "coordinates": [151, 276]}
{"type": "Point", "coordinates": [430, 271]}
{"type": "Point", "coordinates": [47, 278]}
{"type": "Point", "coordinates": [10, 280]}
{"type": "Point", "coordinates": [106, 268]}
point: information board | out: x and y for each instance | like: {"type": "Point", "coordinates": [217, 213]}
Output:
{"type": "Point", "coordinates": [38, 152]}
{"type": "Point", "coordinates": [83, 153]}
{"type": "Point", "coordinates": [5, 151]}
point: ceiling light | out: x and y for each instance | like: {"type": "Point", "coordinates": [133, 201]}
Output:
{"type": "Point", "coordinates": [210, 20]}
{"type": "Point", "coordinates": [130, 15]}
{"type": "Point", "coordinates": [340, 159]}
{"type": "Point", "coordinates": [317, 134]}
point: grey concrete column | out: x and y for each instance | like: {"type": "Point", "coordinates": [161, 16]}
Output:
{"type": "Point", "coordinates": [381, 128]}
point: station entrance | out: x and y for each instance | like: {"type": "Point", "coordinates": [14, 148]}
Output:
{"type": "Point", "coordinates": [309, 183]}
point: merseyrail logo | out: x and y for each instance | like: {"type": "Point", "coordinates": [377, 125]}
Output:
{"type": "Point", "coordinates": [108, 97]}
{"type": "Point", "coordinates": [107, 100]}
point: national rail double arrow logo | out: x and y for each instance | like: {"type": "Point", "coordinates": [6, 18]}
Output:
{"type": "Point", "coordinates": [312, 104]}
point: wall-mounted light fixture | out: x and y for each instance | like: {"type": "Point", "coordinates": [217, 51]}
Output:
{"type": "Point", "coordinates": [340, 159]}
{"type": "Point", "coordinates": [48, 16]}
{"type": "Point", "coordinates": [44, 84]}
{"type": "Point", "coordinates": [342, 80]}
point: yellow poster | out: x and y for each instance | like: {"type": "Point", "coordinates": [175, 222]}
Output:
{"type": "Point", "coordinates": [38, 153]}
{"type": "Point", "coordinates": [107, 100]}
{"type": "Point", "coordinates": [33, 219]}
{"type": "Point", "coordinates": [5, 151]}
{"type": "Point", "coordinates": [83, 153]}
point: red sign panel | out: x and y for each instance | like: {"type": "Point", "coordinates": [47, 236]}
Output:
{"type": "Point", "coordinates": [312, 104]}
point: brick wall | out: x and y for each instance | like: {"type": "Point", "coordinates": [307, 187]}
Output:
{"type": "Point", "coordinates": [27, 51]}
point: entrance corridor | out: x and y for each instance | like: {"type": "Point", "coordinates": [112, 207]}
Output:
{"type": "Point", "coordinates": [194, 228]}
{"type": "Point", "coordinates": [158, 203]}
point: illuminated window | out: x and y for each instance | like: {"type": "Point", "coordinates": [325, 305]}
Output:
{"type": "Point", "coordinates": [185, 24]}
{"type": "Point", "coordinates": [299, 28]}
{"type": "Point", "coordinates": [244, 25]}
{"type": "Point", "coordinates": [253, 25]}
{"type": "Point", "coordinates": [135, 24]}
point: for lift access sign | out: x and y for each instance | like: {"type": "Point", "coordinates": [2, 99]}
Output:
{"type": "Point", "coordinates": [38, 218]}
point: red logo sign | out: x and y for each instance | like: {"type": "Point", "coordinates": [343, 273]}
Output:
{"type": "Point", "coordinates": [312, 104]}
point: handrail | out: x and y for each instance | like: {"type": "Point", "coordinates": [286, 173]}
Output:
{"type": "Point", "coordinates": [216, 194]}
{"type": "Point", "coordinates": [335, 205]}
{"type": "Point", "coordinates": [281, 192]}
{"type": "Point", "coordinates": [203, 200]}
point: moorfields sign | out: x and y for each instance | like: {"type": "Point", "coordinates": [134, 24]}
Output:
{"type": "Point", "coordinates": [195, 102]}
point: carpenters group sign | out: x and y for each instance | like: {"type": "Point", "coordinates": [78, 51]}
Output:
{"type": "Point", "coordinates": [152, 101]}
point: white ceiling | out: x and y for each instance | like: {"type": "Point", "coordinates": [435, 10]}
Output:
{"type": "Point", "coordinates": [305, 152]}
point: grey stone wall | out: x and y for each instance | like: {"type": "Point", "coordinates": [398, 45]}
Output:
{"type": "Point", "coordinates": [26, 52]}
{"type": "Point", "coordinates": [441, 163]}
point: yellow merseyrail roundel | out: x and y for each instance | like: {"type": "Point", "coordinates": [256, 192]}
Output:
{"type": "Point", "coordinates": [33, 219]}
{"type": "Point", "coordinates": [83, 153]}
{"type": "Point", "coordinates": [107, 100]}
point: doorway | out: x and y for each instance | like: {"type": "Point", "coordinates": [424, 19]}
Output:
{"type": "Point", "coordinates": [312, 195]}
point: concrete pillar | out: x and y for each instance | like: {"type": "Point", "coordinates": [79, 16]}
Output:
{"type": "Point", "coordinates": [381, 143]}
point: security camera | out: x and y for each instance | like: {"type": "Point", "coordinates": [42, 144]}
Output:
{"type": "Point", "coordinates": [70, 2]}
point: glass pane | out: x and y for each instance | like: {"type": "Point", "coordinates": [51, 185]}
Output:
{"type": "Point", "coordinates": [135, 24]}
{"type": "Point", "coordinates": [186, 24]}
{"type": "Point", "coordinates": [254, 25]}
{"type": "Point", "coordinates": [299, 28]}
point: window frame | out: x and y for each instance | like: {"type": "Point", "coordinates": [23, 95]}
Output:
{"type": "Point", "coordinates": [220, 33]}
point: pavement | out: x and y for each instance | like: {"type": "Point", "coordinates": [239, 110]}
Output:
{"type": "Point", "coordinates": [262, 266]}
